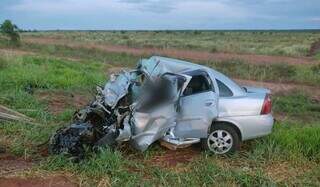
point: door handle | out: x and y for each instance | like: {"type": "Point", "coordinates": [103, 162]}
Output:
{"type": "Point", "coordinates": [209, 103]}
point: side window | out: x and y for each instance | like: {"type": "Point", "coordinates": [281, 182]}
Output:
{"type": "Point", "coordinates": [197, 84]}
{"type": "Point", "coordinates": [224, 91]}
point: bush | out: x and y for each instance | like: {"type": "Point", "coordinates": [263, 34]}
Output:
{"type": "Point", "coordinates": [282, 70]}
{"type": "Point", "coordinates": [197, 32]}
{"type": "Point", "coordinates": [316, 69]}
{"type": "Point", "coordinates": [11, 31]}
{"type": "Point", "coordinates": [191, 46]}
{"type": "Point", "coordinates": [125, 37]}
{"type": "Point", "coordinates": [213, 50]}
{"type": "Point", "coordinates": [241, 69]}
{"type": "Point", "coordinates": [297, 106]}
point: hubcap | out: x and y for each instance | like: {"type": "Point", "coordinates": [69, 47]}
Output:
{"type": "Point", "coordinates": [220, 141]}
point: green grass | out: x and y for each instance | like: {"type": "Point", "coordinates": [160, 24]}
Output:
{"type": "Point", "coordinates": [106, 164]}
{"type": "Point", "coordinates": [317, 56]}
{"type": "Point", "coordinates": [23, 138]}
{"type": "Point", "coordinates": [26, 74]}
{"type": "Point", "coordinates": [290, 141]}
{"type": "Point", "coordinates": [48, 73]}
{"type": "Point", "coordinates": [297, 106]}
{"type": "Point", "coordinates": [19, 75]}
{"type": "Point", "coordinates": [316, 69]}
{"type": "Point", "coordinates": [114, 167]}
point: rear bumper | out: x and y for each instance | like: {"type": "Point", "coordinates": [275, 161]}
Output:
{"type": "Point", "coordinates": [252, 126]}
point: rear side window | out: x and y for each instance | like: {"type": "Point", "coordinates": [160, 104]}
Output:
{"type": "Point", "coordinates": [224, 90]}
{"type": "Point", "coordinates": [197, 84]}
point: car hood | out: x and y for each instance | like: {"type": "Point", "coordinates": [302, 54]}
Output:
{"type": "Point", "coordinates": [116, 88]}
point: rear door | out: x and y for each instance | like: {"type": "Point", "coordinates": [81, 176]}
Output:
{"type": "Point", "coordinates": [198, 106]}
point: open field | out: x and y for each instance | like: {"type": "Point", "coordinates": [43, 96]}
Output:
{"type": "Point", "coordinates": [286, 43]}
{"type": "Point", "coordinates": [53, 73]}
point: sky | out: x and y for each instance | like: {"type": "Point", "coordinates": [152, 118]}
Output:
{"type": "Point", "coordinates": [161, 14]}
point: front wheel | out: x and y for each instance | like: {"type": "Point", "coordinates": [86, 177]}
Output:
{"type": "Point", "coordinates": [222, 139]}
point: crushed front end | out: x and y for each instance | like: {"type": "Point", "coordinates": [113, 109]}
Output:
{"type": "Point", "coordinates": [139, 106]}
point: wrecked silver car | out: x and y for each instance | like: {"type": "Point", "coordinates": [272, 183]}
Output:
{"type": "Point", "coordinates": [172, 101]}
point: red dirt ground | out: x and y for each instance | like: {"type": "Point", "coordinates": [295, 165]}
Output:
{"type": "Point", "coordinates": [58, 101]}
{"type": "Point", "coordinates": [14, 52]}
{"type": "Point", "coordinates": [177, 53]}
{"type": "Point", "coordinates": [55, 181]}
{"type": "Point", "coordinates": [19, 52]}
{"type": "Point", "coordinates": [10, 164]}
{"type": "Point", "coordinates": [172, 158]}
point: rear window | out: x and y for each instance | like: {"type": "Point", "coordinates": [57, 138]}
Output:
{"type": "Point", "coordinates": [224, 90]}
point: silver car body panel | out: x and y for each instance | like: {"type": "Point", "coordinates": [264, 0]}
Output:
{"type": "Point", "coordinates": [251, 126]}
{"type": "Point", "coordinates": [251, 89]}
{"type": "Point", "coordinates": [150, 127]}
{"type": "Point", "coordinates": [116, 88]}
{"type": "Point", "coordinates": [247, 105]}
{"type": "Point", "coordinates": [196, 115]}
{"type": "Point", "coordinates": [196, 112]}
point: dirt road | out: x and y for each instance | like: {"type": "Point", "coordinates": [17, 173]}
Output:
{"type": "Point", "coordinates": [177, 53]}
{"type": "Point", "coordinates": [54, 181]}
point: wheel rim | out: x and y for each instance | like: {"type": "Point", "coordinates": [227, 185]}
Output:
{"type": "Point", "coordinates": [220, 141]}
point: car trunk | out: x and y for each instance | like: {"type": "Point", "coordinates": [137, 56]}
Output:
{"type": "Point", "coordinates": [251, 89]}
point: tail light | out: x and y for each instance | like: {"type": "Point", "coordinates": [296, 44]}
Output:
{"type": "Point", "coordinates": [266, 107]}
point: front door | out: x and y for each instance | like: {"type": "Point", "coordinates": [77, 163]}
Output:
{"type": "Point", "coordinates": [198, 107]}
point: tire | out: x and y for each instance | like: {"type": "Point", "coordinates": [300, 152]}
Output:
{"type": "Point", "coordinates": [222, 139]}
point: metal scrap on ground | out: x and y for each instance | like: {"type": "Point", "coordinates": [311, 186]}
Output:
{"type": "Point", "coordinates": [7, 114]}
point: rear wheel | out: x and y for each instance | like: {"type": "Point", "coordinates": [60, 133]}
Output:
{"type": "Point", "coordinates": [222, 139]}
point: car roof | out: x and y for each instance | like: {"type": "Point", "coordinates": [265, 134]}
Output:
{"type": "Point", "coordinates": [158, 65]}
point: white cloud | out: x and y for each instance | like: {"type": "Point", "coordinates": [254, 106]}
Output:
{"type": "Point", "coordinates": [179, 9]}
{"type": "Point", "coordinates": [218, 8]}
{"type": "Point", "coordinates": [317, 19]}
{"type": "Point", "coordinates": [67, 6]}
{"type": "Point", "coordinates": [213, 9]}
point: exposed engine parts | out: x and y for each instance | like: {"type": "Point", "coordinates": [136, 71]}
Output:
{"type": "Point", "coordinates": [133, 106]}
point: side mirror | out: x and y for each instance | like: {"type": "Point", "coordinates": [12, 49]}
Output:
{"type": "Point", "coordinates": [137, 83]}
{"type": "Point", "coordinates": [112, 77]}
{"type": "Point", "coordinates": [99, 95]}
{"type": "Point", "coordinates": [99, 89]}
